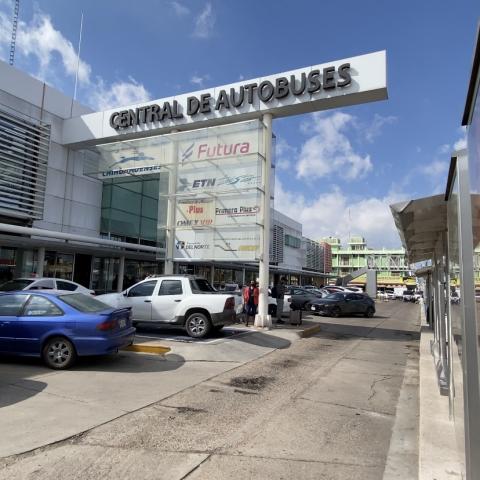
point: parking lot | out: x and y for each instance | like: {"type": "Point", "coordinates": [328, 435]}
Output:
{"type": "Point", "coordinates": [39, 406]}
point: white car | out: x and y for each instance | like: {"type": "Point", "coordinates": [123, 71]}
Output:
{"type": "Point", "coordinates": [183, 301]}
{"type": "Point", "coordinates": [44, 283]}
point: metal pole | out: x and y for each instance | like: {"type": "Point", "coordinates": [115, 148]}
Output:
{"type": "Point", "coordinates": [262, 319]}
{"type": "Point", "coordinates": [121, 273]}
{"type": "Point", "coordinates": [171, 214]}
{"type": "Point", "coordinates": [40, 261]}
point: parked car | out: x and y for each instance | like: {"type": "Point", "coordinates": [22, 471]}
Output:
{"type": "Point", "coordinates": [408, 296]}
{"type": "Point", "coordinates": [59, 327]}
{"type": "Point", "coordinates": [299, 299]}
{"type": "Point", "coordinates": [44, 283]}
{"type": "Point", "coordinates": [183, 301]}
{"type": "Point", "coordinates": [341, 303]}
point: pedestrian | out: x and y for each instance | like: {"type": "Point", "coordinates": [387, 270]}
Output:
{"type": "Point", "coordinates": [250, 301]}
{"type": "Point", "coordinates": [280, 294]}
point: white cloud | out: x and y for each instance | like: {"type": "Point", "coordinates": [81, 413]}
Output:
{"type": "Point", "coordinates": [41, 41]}
{"type": "Point", "coordinates": [334, 213]}
{"type": "Point", "coordinates": [436, 168]}
{"type": "Point", "coordinates": [328, 150]}
{"type": "Point", "coordinates": [205, 22]}
{"type": "Point", "coordinates": [374, 129]}
{"type": "Point", "coordinates": [445, 148]}
{"type": "Point", "coordinates": [179, 9]}
{"type": "Point", "coordinates": [198, 80]}
{"type": "Point", "coordinates": [283, 154]}
{"type": "Point", "coordinates": [118, 94]}
{"type": "Point", "coordinates": [460, 144]}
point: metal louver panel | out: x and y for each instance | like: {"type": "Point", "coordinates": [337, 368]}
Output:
{"type": "Point", "coordinates": [24, 147]}
{"type": "Point", "coordinates": [276, 254]}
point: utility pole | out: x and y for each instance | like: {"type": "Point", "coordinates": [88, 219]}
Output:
{"type": "Point", "coordinates": [14, 31]}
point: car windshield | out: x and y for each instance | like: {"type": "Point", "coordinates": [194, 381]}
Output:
{"type": "Point", "coordinates": [84, 303]}
{"type": "Point", "coordinates": [200, 285]}
{"type": "Point", "coordinates": [335, 296]}
{"type": "Point", "coordinates": [18, 284]}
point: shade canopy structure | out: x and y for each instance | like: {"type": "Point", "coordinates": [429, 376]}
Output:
{"type": "Point", "coordinates": [420, 224]}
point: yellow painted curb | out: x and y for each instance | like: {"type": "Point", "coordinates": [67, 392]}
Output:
{"type": "Point", "coordinates": [143, 348]}
{"type": "Point", "coordinates": [308, 332]}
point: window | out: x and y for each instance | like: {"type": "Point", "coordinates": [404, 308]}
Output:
{"type": "Point", "coordinates": [46, 284]}
{"type": "Point", "coordinates": [12, 285]}
{"type": "Point", "coordinates": [40, 306]}
{"type": "Point", "coordinates": [84, 303]}
{"type": "Point", "coordinates": [144, 289]}
{"type": "Point", "coordinates": [62, 285]}
{"type": "Point", "coordinates": [171, 287]}
{"type": "Point", "coordinates": [11, 304]}
{"type": "Point", "coordinates": [292, 241]}
{"type": "Point", "coordinates": [200, 285]}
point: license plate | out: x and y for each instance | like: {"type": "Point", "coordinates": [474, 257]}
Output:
{"type": "Point", "coordinates": [313, 308]}
{"type": "Point", "coordinates": [122, 323]}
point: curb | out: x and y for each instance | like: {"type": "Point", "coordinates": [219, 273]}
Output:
{"type": "Point", "coordinates": [145, 348]}
{"type": "Point", "coordinates": [308, 332]}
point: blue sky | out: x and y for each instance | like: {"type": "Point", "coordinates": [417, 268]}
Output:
{"type": "Point", "coordinates": [338, 170]}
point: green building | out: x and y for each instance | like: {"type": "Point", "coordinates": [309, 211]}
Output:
{"type": "Point", "coordinates": [391, 264]}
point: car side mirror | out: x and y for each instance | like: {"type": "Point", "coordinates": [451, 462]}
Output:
{"type": "Point", "coordinates": [125, 293]}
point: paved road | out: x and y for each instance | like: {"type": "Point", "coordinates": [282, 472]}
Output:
{"type": "Point", "coordinates": [323, 407]}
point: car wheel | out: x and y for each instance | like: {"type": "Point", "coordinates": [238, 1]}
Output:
{"type": "Point", "coordinates": [272, 310]}
{"type": "Point", "coordinates": [59, 353]}
{"type": "Point", "coordinates": [198, 325]}
{"type": "Point", "coordinates": [369, 312]}
{"type": "Point", "coordinates": [336, 312]}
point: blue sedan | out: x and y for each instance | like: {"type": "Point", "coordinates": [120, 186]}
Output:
{"type": "Point", "coordinates": [61, 326]}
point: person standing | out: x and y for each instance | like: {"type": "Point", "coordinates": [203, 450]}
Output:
{"type": "Point", "coordinates": [280, 295]}
{"type": "Point", "coordinates": [250, 301]}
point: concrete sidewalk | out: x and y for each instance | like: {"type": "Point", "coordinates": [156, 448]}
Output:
{"type": "Point", "coordinates": [39, 406]}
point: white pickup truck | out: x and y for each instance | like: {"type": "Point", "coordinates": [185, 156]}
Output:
{"type": "Point", "coordinates": [178, 300]}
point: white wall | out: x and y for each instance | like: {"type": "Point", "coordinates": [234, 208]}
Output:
{"type": "Point", "coordinates": [72, 201]}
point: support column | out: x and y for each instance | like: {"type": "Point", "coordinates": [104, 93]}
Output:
{"type": "Point", "coordinates": [262, 319]}
{"type": "Point", "coordinates": [171, 206]}
{"type": "Point", "coordinates": [40, 261]}
{"type": "Point", "coordinates": [212, 273]}
{"type": "Point", "coordinates": [121, 273]}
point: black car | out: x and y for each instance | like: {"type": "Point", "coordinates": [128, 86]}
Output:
{"type": "Point", "coordinates": [341, 303]}
{"type": "Point", "coordinates": [301, 298]}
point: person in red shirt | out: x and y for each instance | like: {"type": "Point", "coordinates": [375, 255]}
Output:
{"type": "Point", "coordinates": [250, 301]}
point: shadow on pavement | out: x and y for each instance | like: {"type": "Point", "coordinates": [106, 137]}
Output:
{"type": "Point", "coordinates": [330, 330]}
{"type": "Point", "coordinates": [19, 368]}
{"type": "Point", "coordinates": [130, 362]}
{"type": "Point", "coordinates": [261, 339]}
{"type": "Point", "coordinates": [11, 394]}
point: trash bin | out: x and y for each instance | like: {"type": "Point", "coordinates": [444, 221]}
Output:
{"type": "Point", "coordinates": [295, 317]}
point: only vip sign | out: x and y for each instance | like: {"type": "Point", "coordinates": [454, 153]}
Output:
{"type": "Point", "coordinates": [195, 213]}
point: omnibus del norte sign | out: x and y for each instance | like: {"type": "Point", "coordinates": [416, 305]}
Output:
{"type": "Point", "coordinates": [334, 84]}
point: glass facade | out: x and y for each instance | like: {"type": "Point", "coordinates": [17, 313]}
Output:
{"type": "Point", "coordinates": [213, 176]}
{"type": "Point", "coordinates": [130, 207]}
{"type": "Point", "coordinates": [454, 319]}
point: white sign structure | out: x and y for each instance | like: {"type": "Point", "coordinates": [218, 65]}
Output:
{"type": "Point", "coordinates": [328, 85]}
{"type": "Point", "coordinates": [205, 174]}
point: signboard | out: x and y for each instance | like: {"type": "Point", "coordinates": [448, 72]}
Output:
{"type": "Point", "coordinates": [216, 244]}
{"type": "Point", "coordinates": [222, 211]}
{"type": "Point", "coordinates": [333, 84]}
